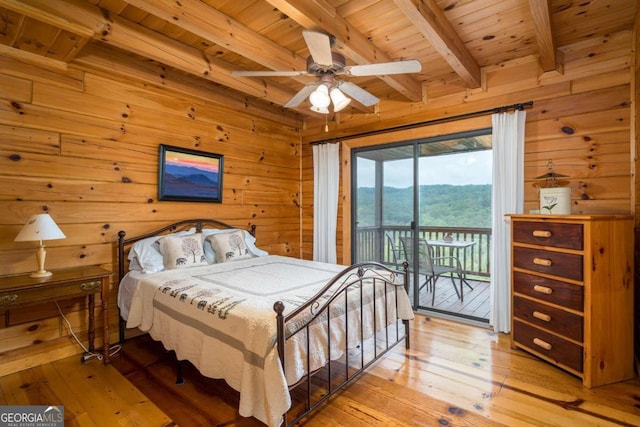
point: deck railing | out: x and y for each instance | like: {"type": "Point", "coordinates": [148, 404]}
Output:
{"type": "Point", "coordinates": [475, 260]}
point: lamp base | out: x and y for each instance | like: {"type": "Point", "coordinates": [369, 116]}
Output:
{"type": "Point", "coordinates": [41, 254]}
{"type": "Point", "coordinates": [40, 274]}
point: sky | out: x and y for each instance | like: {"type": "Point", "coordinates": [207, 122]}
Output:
{"type": "Point", "coordinates": [455, 169]}
{"type": "Point", "coordinates": [200, 162]}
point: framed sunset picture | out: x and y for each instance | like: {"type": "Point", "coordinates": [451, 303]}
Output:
{"type": "Point", "coordinates": [189, 175]}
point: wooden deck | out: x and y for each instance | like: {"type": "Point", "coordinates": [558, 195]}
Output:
{"type": "Point", "coordinates": [476, 305]}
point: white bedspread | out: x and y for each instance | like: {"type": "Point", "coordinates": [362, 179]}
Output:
{"type": "Point", "coordinates": [220, 317]}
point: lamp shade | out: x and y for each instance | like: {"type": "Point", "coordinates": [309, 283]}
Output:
{"type": "Point", "coordinates": [339, 100]}
{"type": "Point", "coordinates": [319, 98]}
{"type": "Point", "coordinates": [321, 110]}
{"type": "Point", "coordinates": [39, 227]}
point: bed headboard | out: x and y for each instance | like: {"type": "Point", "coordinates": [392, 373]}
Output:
{"type": "Point", "coordinates": [124, 244]}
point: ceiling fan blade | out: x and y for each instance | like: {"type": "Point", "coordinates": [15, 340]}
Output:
{"type": "Point", "coordinates": [319, 45]}
{"type": "Point", "coordinates": [301, 95]}
{"type": "Point", "coordinates": [383, 68]}
{"type": "Point", "coordinates": [269, 73]}
{"type": "Point", "coordinates": [357, 93]}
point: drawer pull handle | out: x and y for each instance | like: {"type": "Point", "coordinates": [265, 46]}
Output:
{"type": "Point", "coordinates": [8, 299]}
{"type": "Point", "coordinates": [542, 289]}
{"type": "Point", "coordinates": [543, 344]}
{"type": "Point", "coordinates": [542, 316]}
{"type": "Point", "coordinates": [541, 233]}
{"type": "Point", "coordinates": [542, 261]}
{"type": "Point", "coordinates": [89, 286]}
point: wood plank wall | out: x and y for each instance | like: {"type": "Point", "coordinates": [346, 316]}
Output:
{"type": "Point", "coordinates": [83, 146]}
{"type": "Point", "coordinates": [581, 119]}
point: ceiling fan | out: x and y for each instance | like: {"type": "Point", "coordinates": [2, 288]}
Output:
{"type": "Point", "coordinates": [327, 65]}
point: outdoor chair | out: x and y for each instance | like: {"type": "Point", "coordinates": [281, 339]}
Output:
{"type": "Point", "coordinates": [433, 267]}
{"type": "Point", "coordinates": [395, 251]}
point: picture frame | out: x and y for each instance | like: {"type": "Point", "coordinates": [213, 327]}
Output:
{"type": "Point", "coordinates": [189, 175]}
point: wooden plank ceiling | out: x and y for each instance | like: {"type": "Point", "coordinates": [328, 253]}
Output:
{"type": "Point", "coordinates": [202, 42]}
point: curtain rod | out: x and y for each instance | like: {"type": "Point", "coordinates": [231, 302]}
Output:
{"type": "Point", "coordinates": [519, 106]}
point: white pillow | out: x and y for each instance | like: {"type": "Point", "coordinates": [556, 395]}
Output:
{"type": "Point", "coordinates": [134, 265]}
{"type": "Point", "coordinates": [182, 251]}
{"type": "Point", "coordinates": [229, 246]}
{"type": "Point", "coordinates": [249, 240]}
{"type": "Point", "coordinates": [145, 254]}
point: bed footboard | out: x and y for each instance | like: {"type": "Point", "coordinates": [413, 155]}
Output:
{"type": "Point", "coordinates": [352, 322]}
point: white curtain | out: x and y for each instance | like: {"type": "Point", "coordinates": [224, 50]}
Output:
{"type": "Point", "coordinates": [507, 197]}
{"type": "Point", "coordinates": [326, 174]}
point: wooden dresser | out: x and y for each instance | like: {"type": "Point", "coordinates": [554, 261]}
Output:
{"type": "Point", "coordinates": [572, 293]}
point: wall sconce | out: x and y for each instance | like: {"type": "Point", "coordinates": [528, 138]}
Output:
{"type": "Point", "coordinates": [38, 228]}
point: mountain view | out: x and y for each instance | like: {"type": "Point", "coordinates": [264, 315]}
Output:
{"type": "Point", "coordinates": [190, 181]}
{"type": "Point", "coordinates": [441, 205]}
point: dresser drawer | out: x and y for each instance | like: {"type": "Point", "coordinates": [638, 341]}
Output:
{"type": "Point", "coordinates": [559, 235]}
{"type": "Point", "coordinates": [553, 291]}
{"type": "Point", "coordinates": [554, 319]}
{"type": "Point", "coordinates": [549, 262]}
{"type": "Point", "coordinates": [555, 348]}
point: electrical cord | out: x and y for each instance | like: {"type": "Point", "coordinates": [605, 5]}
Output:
{"type": "Point", "coordinates": [88, 355]}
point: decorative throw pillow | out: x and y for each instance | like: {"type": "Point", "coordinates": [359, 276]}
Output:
{"type": "Point", "coordinates": [145, 254]}
{"type": "Point", "coordinates": [182, 251]}
{"type": "Point", "coordinates": [229, 246]}
{"type": "Point", "coordinates": [249, 240]}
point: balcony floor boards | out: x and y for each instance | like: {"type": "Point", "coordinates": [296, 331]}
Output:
{"type": "Point", "coordinates": [476, 302]}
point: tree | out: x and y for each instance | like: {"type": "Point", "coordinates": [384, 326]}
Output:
{"type": "Point", "coordinates": [236, 241]}
{"type": "Point", "coordinates": [190, 246]}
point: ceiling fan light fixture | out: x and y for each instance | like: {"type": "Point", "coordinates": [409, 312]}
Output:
{"type": "Point", "coordinates": [321, 110]}
{"type": "Point", "coordinates": [319, 98]}
{"type": "Point", "coordinates": [339, 100]}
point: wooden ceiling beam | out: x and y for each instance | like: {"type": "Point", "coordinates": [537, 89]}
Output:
{"type": "Point", "coordinates": [319, 15]}
{"type": "Point", "coordinates": [131, 37]}
{"type": "Point", "coordinates": [216, 27]}
{"type": "Point", "coordinates": [429, 19]}
{"type": "Point", "coordinates": [50, 18]}
{"type": "Point", "coordinates": [541, 12]}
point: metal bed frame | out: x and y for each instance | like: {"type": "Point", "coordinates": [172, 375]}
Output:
{"type": "Point", "coordinates": [316, 387]}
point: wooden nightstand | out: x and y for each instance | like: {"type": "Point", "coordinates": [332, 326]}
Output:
{"type": "Point", "coordinates": [22, 290]}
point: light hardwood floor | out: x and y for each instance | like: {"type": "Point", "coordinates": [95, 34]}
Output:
{"type": "Point", "coordinates": [454, 375]}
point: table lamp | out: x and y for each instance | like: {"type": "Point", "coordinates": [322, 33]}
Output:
{"type": "Point", "coordinates": [38, 228]}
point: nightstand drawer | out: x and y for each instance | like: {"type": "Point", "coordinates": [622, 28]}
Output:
{"type": "Point", "coordinates": [549, 262]}
{"type": "Point", "coordinates": [559, 235]}
{"type": "Point", "coordinates": [553, 291]}
{"type": "Point", "coordinates": [555, 348]}
{"type": "Point", "coordinates": [44, 293]}
{"type": "Point", "coordinates": [559, 321]}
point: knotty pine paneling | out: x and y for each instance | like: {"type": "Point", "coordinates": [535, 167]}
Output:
{"type": "Point", "coordinates": [581, 119]}
{"type": "Point", "coordinates": [84, 147]}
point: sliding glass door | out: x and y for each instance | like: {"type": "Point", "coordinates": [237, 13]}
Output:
{"type": "Point", "coordinates": [382, 203]}
{"type": "Point", "coordinates": [431, 198]}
